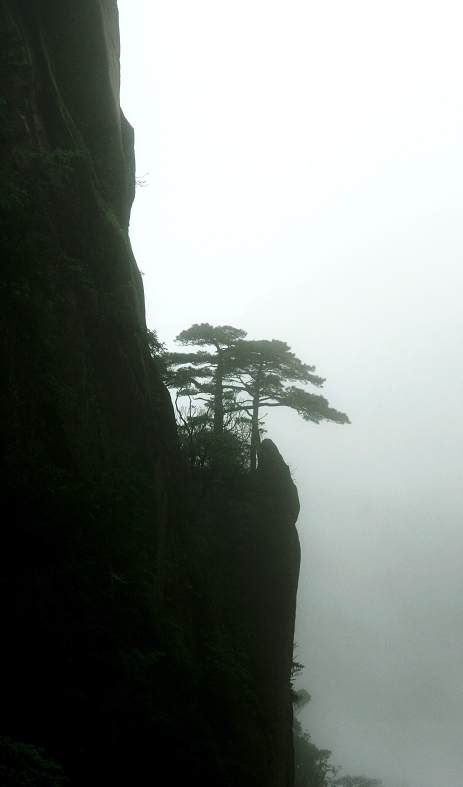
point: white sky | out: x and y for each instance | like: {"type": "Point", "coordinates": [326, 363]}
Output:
{"type": "Point", "coordinates": [305, 183]}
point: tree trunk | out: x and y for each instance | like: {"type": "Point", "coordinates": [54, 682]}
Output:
{"type": "Point", "coordinates": [255, 437]}
{"type": "Point", "coordinates": [218, 395]}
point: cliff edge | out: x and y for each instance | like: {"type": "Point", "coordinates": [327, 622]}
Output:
{"type": "Point", "coordinates": [146, 627]}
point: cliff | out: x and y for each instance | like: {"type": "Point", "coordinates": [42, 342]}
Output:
{"type": "Point", "coordinates": [145, 627]}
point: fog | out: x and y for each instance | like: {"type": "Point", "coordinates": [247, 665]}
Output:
{"type": "Point", "coordinates": [304, 181]}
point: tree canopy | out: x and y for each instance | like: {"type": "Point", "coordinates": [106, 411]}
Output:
{"type": "Point", "coordinates": [204, 372]}
{"type": "Point", "coordinates": [262, 371]}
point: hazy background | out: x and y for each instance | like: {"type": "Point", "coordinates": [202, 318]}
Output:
{"type": "Point", "coordinates": [305, 183]}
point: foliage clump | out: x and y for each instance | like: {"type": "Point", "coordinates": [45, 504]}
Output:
{"type": "Point", "coordinates": [312, 765]}
{"type": "Point", "coordinates": [23, 765]}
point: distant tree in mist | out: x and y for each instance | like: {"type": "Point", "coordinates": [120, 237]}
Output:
{"type": "Point", "coordinates": [356, 781]}
{"type": "Point", "coordinates": [300, 699]}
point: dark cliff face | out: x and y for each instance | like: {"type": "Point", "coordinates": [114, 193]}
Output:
{"type": "Point", "coordinates": [142, 627]}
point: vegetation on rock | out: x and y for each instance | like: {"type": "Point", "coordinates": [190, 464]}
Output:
{"type": "Point", "coordinates": [313, 766]}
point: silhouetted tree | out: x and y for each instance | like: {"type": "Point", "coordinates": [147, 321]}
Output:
{"type": "Point", "coordinates": [243, 376]}
{"type": "Point", "coordinates": [262, 369]}
{"type": "Point", "coordinates": [203, 373]}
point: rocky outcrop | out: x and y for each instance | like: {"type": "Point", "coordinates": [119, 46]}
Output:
{"type": "Point", "coordinates": [244, 551]}
{"type": "Point", "coordinates": [278, 578]}
{"type": "Point", "coordinates": [146, 626]}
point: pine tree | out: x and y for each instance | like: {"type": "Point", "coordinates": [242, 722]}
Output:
{"type": "Point", "coordinates": [262, 369]}
{"type": "Point", "coordinates": [244, 376]}
{"type": "Point", "coordinates": [202, 374]}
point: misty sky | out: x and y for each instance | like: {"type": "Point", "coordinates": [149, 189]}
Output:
{"type": "Point", "coordinates": [304, 178]}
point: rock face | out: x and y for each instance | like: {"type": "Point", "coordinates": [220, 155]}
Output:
{"type": "Point", "coordinates": [145, 628]}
